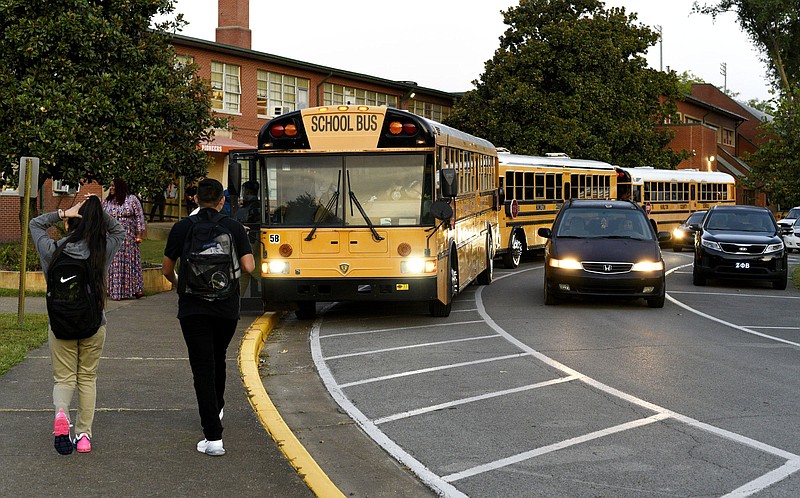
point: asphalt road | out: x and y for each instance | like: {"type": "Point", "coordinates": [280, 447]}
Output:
{"type": "Point", "coordinates": [508, 397]}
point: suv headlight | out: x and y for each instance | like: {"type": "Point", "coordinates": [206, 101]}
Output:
{"type": "Point", "coordinates": [774, 247]}
{"type": "Point", "coordinates": [710, 244]}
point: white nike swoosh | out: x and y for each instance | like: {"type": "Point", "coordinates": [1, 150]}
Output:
{"type": "Point", "coordinates": [67, 279]}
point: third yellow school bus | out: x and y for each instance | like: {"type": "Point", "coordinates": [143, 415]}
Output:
{"type": "Point", "coordinates": [670, 195]}
{"type": "Point", "coordinates": [366, 203]}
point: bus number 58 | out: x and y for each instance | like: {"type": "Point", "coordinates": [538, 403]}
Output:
{"type": "Point", "coordinates": [274, 238]}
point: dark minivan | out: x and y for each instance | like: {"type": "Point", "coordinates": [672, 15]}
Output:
{"type": "Point", "coordinates": [740, 243]}
{"type": "Point", "coordinates": [603, 248]}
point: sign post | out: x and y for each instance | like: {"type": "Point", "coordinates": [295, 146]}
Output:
{"type": "Point", "coordinates": [29, 167]}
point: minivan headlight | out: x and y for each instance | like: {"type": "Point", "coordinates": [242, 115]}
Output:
{"type": "Point", "coordinates": [774, 247]}
{"type": "Point", "coordinates": [648, 266]}
{"type": "Point", "coordinates": [710, 244]}
{"type": "Point", "coordinates": [566, 264]}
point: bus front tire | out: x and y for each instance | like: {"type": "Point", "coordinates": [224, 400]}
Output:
{"type": "Point", "coordinates": [513, 254]}
{"type": "Point", "coordinates": [306, 310]}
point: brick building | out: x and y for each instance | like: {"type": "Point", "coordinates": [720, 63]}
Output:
{"type": "Point", "coordinates": [719, 132]}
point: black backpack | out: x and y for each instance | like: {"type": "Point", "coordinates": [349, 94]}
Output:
{"type": "Point", "coordinates": [73, 306]}
{"type": "Point", "coordinates": [209, 267]}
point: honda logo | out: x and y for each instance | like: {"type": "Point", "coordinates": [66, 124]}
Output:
{"type": "Point", "coordinates": [607, 268]}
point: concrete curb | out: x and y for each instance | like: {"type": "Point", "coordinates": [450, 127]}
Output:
{"type": "Point", "coordinates": [249, 352]}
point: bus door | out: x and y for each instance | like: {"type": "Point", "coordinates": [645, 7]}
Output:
{"type": "Point", "coordinates": [246, 200]}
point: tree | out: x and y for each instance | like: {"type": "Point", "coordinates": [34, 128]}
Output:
{"type": "Point", "coordinates": [774, 28]}
{"type": "Point", "coordinates": [571, 77]}
{"type": "Point", "coordinates": [95, 93]}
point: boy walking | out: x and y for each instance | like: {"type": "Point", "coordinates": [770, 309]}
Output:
{"type": "Point", "coordinates": [208, 321]}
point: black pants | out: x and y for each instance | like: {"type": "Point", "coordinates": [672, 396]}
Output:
{"type": "Point", "coordinates": [207, 338]}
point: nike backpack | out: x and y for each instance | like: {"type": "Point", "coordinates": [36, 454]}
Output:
{"type": "Point", "coordinates": [209, 267]}
{"type": "Point", "coordinates": [73, 306]}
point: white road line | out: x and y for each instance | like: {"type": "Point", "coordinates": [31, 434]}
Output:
{"type": "Point", "coordinates": [472, 399]}
{"type": "Point", "coordinates": [733, 294]}
{"type": "Point", "coordinates": [463, 311]}
{"type": "Point", "coordinates": [429, 478]}
{"type": "Point", "coordinates": [765, 327]}
{"type": "Point", "coordinates": [412, 346]}
{"type": "Point", "coordinates": [395, 329]}
{"type": "Point", "coordinates": [766, 480]}
{"type": "Point", "coordinates": [724, 322]}
{"type": "Point", "coordinates": [432, 369]}
{"type": "Point", "coordinates": [505, 462]}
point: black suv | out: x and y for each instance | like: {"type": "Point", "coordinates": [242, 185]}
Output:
{"type": "Point", "coordinates": [739, 242]}
{"type": "Point", "coordinates": [603, 248]}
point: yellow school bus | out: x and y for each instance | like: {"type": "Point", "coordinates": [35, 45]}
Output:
{"type": "Point", "coordinates": [535, 187]}
{"type": "Point", "coordinates": [369, 203]}
{"type": "Point", "coordinates": [670, 196]}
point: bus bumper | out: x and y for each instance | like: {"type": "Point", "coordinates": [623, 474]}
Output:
{"type": "Point", "coordinates": [371, 289]}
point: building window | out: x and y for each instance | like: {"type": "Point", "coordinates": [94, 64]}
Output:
{"type": "Point", "coordinates": [225, 89]}
{"type": "Point", "coordinates": [342, 95]}
{"type": "Point", "coordinates": [691, 120]}
{"type": "Point", "coordinates": [428, 110]}
{"type": "Point", "coordinates": [728, 137]}
{"type": "Point", "coordinates": [183, 60]}
{"type": "Point", "coordinates": [280, 93]}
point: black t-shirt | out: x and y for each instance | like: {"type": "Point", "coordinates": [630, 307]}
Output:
{"type": "Point", "coordinates": [191, 305]}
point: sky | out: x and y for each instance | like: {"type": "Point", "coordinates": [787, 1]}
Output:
{"type": "Point", "coordinates": [408, 40]}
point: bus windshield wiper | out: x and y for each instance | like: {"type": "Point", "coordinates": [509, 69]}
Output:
{"type": "Point", "coordinates": [354, 199]}
{"type": "Point", "coordinates": [325, 213]}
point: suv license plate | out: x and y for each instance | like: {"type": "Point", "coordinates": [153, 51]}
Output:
{"type": "Point", "coordinates": [742, 265]}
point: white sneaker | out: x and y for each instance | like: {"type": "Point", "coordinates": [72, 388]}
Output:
{"type": "Point", "coordinates": [212, 448]}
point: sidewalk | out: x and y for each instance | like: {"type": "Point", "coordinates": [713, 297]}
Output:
{"type": "Point", "coordinates": [146, 425]}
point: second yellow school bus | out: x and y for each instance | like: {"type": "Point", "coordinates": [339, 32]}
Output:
{"type": "Point", "coordinates": [366, 203]}
{"type": "Point", "coordinates": [535, 187]}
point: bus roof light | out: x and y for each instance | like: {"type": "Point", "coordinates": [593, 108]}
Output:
{"type": "Point", "coordinates": [277, 131]}
{"type": "Point", "coordinates": [395, 127]}
{"type": "Point", "coordinates": [409, 128]}
{"type": "Point", "coordinates": [290, 130]}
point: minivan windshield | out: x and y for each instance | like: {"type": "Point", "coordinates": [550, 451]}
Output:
{"type": "Point", "coordinates": [604, 223]}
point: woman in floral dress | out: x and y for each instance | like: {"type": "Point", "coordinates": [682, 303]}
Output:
{"type": "Point", "coordinates": [125, 273]}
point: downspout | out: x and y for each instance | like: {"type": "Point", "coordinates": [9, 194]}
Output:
{"type": "Point", "coordinates": [326, 78]}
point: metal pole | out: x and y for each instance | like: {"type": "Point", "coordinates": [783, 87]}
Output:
{"type": "Point", "coordinates": [23, 260]}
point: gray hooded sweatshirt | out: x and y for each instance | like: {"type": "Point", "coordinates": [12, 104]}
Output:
{"type": "Point", "coordinates": [46, 247]}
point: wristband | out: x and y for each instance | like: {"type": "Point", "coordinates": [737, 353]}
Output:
{"type": "Point", "coordinates": [61, 213]}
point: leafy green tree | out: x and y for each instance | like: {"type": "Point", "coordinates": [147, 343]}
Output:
{"type": "Point", "coordinates": [96, 93]}
{"type": "Point", "coordinates": [570, 76]}
{"type": "Point", "coordinates": [685, 81]}
{"type": "Point", "coordinates": [774, 28]}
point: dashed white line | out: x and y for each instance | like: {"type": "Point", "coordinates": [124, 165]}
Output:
{"type": "Point", "coordinates": [395, 329]}
{"type": "Point", "coordinates": [433, 369]}
{"type": "Point", "coordinates": [411, 346]}
{"type": "Point", "coordinates": [521, 457]}
{"type": "Point", "coordinates": [471, 399]}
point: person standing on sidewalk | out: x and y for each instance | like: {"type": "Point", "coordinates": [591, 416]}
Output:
{"type": "Point", "coordinates": [125, 278]}
{"type": "Point", "coordinates": [208, 325]}
{"type": "Point", "coordinates": [94, 235]}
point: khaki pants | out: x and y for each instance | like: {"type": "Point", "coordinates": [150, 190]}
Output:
{"type": "Point", "coordinates": [75, 365]}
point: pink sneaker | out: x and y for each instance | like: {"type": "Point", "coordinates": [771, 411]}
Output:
{"type": "Point", "coordinates": [83, 443]}
{"type": "Point", "coordinates": [62, 442]}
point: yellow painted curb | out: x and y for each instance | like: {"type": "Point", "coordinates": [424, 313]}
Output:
{"type": "Point", "coordinates": [249, 352]}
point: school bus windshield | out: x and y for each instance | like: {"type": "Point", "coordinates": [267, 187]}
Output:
{"type": "Point", "coordinates": [349, 190]}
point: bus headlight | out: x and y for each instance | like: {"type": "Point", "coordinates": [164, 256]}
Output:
{"type": "Point", "coordinates": [277, 267]}
{"type": "Point", "coordinates": [417, 265]}
{"type": "Point", "coordinates": [648, 266]}
{"type": "Point", "coordinates": [566, 264]}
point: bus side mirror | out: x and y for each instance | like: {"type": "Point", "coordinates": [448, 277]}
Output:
{"type": "Point", "coordinates": [441, 210]}
{"type": "Point", "coordinates": [501, 198]}
{"type": "Point", "coordinates": [449, 182]}
{"type": "Point", "coordinates": [234, 178]}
